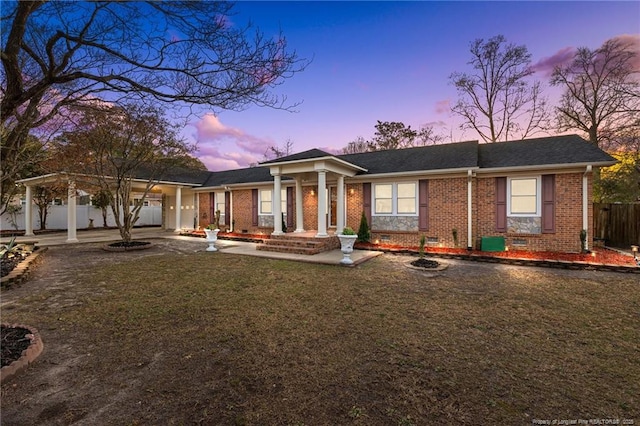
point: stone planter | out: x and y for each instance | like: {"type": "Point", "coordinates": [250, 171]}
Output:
{"type": "Point", "coordinates": [346, 246]}
{"type": "Point", "coordinates": [212, 237]}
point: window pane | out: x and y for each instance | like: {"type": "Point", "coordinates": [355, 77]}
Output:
{"type": "Point", "coordinates": [265, 195]}
{"type": "Point", "coordinates": [523, 205]}
{"type": "Point", "coordinates": [406, 205]}
{"type": "Point", "coordinates": [283, 200]}
{"type": "Point", "coordinates": [523, 187]}
{"type": "Point", "coordinates": [406, 190]}
{"type": "Point", "coordinates": [265, 207]}
{"type": "Point", "coordinates": [383, 206]}
{"type": "Point", "coordinates": [383, 191]}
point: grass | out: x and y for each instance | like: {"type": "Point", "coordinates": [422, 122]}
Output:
{"type": "Point", "coordinates": [240, 340]}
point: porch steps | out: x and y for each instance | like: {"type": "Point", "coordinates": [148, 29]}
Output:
{"type": "Point", "coordinates": [290, 243]}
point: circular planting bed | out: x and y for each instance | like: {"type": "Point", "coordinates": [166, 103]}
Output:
{"type": "Point", "coordinates": [427, 265]}
{"type": "Point", "coordinates": [127, 246]}
{"type": "Point", "coordinates": [21, 345]}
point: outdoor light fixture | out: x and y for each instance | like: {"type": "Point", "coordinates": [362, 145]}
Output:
{"type": "Point", "coordinates": [313, 192]}
{"type": "Point", "coordinates": [506, 248]}
{"type": "Point", "coordinates": [593, 254]}
{"type": "Point", "coordinates": [352, 191]}
{"type": "Point", "coordinates": [377, 241]}
{"type": "Point", "coordinates": [634, 249]}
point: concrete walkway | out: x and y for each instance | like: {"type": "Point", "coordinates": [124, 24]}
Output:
{"type": "Point", "coordinates": [332, 257]}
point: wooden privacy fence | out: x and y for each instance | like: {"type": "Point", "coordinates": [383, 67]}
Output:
{"type": "Point", "coordinates": [617, 224]}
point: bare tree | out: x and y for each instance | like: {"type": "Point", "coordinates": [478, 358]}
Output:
{"type": "Point", "coordinates": [496, 99]}
{"type": "Point", "coordinates": [356, 146]}
{"type": "Point", "coordinates": [114, 148]}
{"type": "Point", "coordinates": [56, 54]}
{"type": "Point", "coordinates": [275, 151]}
{"type": "Point", "coordinates": [601, 94]}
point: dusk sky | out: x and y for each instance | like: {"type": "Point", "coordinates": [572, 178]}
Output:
{"type": "Point", "coordinates": [390, 61]}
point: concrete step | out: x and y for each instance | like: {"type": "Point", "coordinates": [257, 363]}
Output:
{"type": "Point", "coordinates": [289, 249]}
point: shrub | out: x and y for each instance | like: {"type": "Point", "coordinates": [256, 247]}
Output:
{"type": "Point", "coordinates": [364, 235]}
{"type": "Point", "coordinates": [348, 231]}
{"type": "Point", "coordinates": [423, 240]}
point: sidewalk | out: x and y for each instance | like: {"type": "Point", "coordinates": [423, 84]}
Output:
{"type": "Point", "coordinates": [332, 257]}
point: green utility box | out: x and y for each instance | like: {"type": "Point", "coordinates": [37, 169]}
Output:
{"type": "Point", "coordinates": [492, 244]}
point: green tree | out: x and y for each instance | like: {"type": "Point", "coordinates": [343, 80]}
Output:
{"type": "Point", "coordinates": [60, 54]}
{"type": "Point", "coordinates": [121, 147]}
{"type": "Point", "coordinates": [102, 200]}
{"type": "Point", "coordinates": [496, 99]}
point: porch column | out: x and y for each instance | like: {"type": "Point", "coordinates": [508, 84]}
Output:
{"type": "Point", "coordinates": [178, 209]}
{"type": "Point", "coordinates": [299, 208]}
{"type": "Point", "coordinates": [71, 213]}
{"type": "Point", "coordinates": [28, 213]}
{"type": "Point", "coordinates": [340, 206]}
{"type": "Point", "coordinates": [322, 204]}
{"type": "Point", "coordinates": [277, 205]}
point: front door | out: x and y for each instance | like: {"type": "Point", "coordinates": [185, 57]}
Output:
{"type": "Point", "coordinates": [333, 205]}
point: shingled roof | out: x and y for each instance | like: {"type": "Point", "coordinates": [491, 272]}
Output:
{"type": "Point", "coordinates": [566, 149]}
{"type": "Point", "coordinates": [555, 150]}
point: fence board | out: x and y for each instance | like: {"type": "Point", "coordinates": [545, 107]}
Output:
{"type": "Point", "coordinates": [617, 224]}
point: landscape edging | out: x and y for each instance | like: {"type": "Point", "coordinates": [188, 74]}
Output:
{"type": "Point", "coordinates": [22, 270]}
{"type": "Point", "coordinates": [28, 356]}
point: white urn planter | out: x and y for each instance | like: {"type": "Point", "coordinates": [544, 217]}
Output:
{"type": "Point", "coordinates": [346, 246]}
{"type": "Point", "coordinates": [212, 237]}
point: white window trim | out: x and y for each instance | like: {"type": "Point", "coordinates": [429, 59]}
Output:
{"type": "Point", "coordinates": [538, 212]}
{"type": "Point", "coordinates": [260, 212]}
{"type": "Point", "coordinates": [394, 199]}
{"type": "Point", "coordinates": [283, 201]}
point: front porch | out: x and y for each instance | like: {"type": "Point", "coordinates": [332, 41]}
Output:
{"type": "Point", "coordinates": [300, 243]}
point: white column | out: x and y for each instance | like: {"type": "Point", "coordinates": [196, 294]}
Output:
{"type": "Point", "coordinates": [28, 213]}
{"type": "Point", "coordinates": [322, 204]}
{"type": "Point", "coordinates": [178, 209]}
{"type": "Point", "coordinates": [277, 205]}
{"type": "Point", "coordinates": [299, 210]}
{"type": "Point", "coordinates": [469, 209]}
{"type": "Point", "coordinates": [71, 213]}
{"type": "Point", "coordinates": [340, 206]}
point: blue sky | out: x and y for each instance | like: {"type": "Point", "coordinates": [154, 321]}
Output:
{"type": "Point", "coordinates": [390, 61]}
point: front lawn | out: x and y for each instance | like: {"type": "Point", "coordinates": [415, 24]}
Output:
{"type": "Point", "coordinates": [225, 339]}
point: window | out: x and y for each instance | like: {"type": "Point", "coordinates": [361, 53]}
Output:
{"type": "Point", "coordinates": [265, 201]}
{"type": "Point", "coordinates": [524, 197]}
{"type": "Point", "coordinates": [406, 198]}
{"type": "Point", "coordinates": [395, 198]}
{"type": "Point", "coordinates": [383, 199]}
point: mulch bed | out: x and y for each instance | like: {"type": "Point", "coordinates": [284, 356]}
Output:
{"type": "Point", "coordinates": [425, 263]}
{"type": "Point", "coordinates": [14, 342]}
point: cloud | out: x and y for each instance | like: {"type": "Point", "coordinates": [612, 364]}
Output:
{"type": "Point", "coordinates": [242, 149]}
{"type": "Point", "coordinates": [562, 57]}
{"type": "Point", "coordinates": [443, 106]}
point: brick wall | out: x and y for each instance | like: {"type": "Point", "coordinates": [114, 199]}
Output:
{"type": "Point", "coordinates": [568, 208]}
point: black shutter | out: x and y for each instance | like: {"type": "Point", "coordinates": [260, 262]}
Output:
{"type": "Point", "coordinates": [423, 205]}
{"type": "Point", "coordinates": [548, 204]}
{"type": "Point", "coordinates": [254, 207]}
{"type": "Point", "coordinates": [501, 204]}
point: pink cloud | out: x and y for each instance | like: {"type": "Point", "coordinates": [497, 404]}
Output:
{"type": "Point", "coordinates": [562, 57]}
{"type": "Point", "coordinates": [242, 150]}
{"type": "Point", "coordinates": [443, 106]}
{"type": "Point", "coordinates": [633, 40]}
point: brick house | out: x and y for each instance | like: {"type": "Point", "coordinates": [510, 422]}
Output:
{"type": "Point", "coordinates": [535, 193]}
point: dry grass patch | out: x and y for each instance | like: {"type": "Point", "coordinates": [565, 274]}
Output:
{"type": "Point", "coordinates": [227, 339]}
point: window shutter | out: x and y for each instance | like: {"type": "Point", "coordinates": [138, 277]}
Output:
{"type": "Point", "coordinates": [423, 205]}
{"type": "Point", "coordinates": [212, 207]}
{"type": "Point", "coordinates": [254, 207]}
{"type": "Point", "coordinates": [548, 204]}
{"type": "Point", "coordinates": [501, 204]}
{"type": "Point", "coordinates": [227, 208]}
{"type": "Point", "coordinates": [290, 210]}
{"type": "Point", "coordinates": [366, 201]}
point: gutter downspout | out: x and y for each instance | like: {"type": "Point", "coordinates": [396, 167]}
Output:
{"type": "Point", "coordinates": [469, 210]}
{"type": "Point", "coordinates": [585, 204]}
